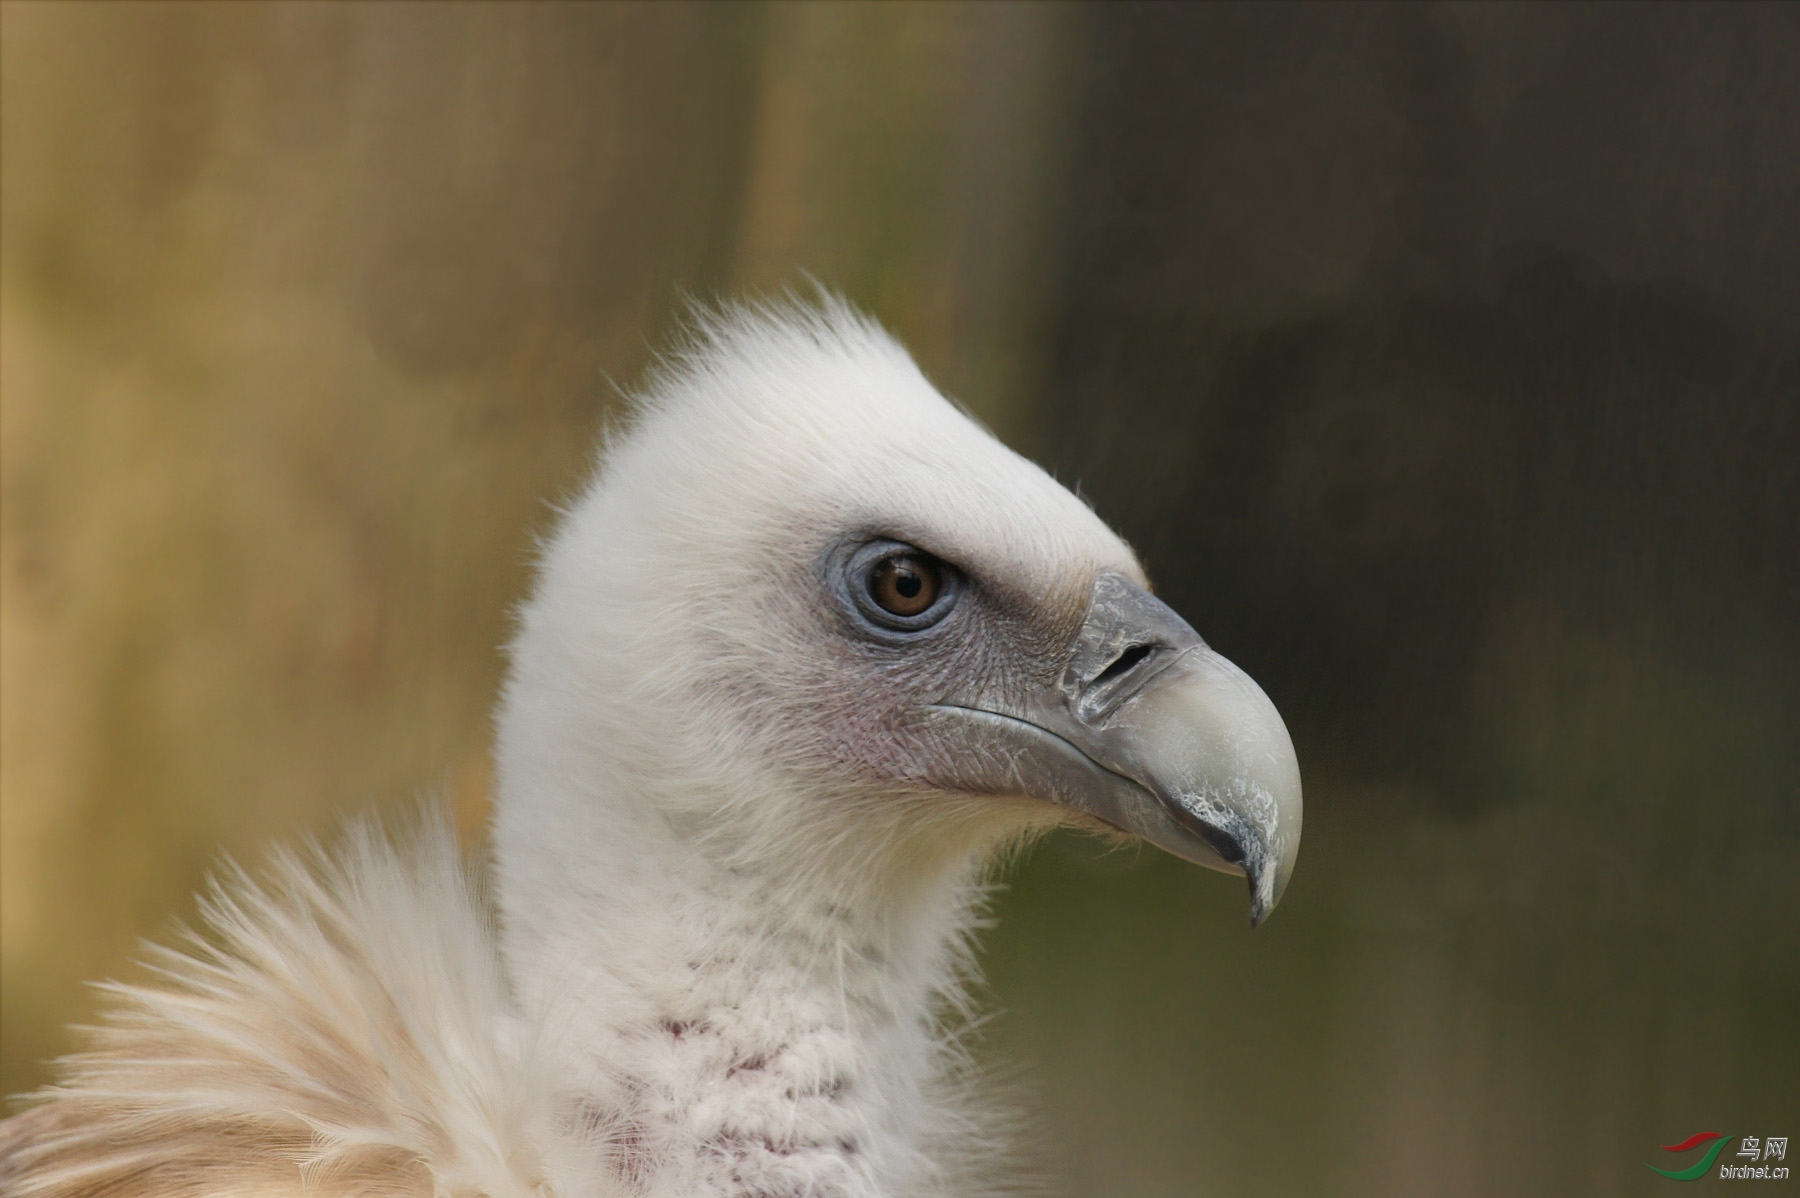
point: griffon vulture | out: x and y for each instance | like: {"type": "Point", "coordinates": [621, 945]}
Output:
{"type": "Point", "coordinates": [810, 650]}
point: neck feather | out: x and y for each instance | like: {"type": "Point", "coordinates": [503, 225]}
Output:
{"type": "Point", "coordinates": [725, 1021]}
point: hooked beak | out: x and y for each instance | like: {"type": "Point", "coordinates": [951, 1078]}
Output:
{"type": "Point", "coordinates": [1152, 732]}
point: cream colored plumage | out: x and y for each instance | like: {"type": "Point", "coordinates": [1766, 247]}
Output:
{"type": "Point", "coordinates": [744, 810]}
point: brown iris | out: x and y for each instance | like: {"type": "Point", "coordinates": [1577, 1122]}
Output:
{"type": "Point", "coordinates": [906, 584]}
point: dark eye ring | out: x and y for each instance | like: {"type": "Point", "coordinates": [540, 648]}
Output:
{"type": "Point", "coordinates": [897, 587]}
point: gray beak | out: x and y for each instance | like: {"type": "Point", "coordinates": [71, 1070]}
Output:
{"type": "Point", "coordinates": [1155, 734]}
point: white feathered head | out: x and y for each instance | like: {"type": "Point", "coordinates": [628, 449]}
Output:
{"type": "Point", "coordinates": [810, 616]}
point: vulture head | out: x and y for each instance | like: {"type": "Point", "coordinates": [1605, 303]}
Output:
{"type": "Point", "coordinates": [810, 649]}
{"type": "Point", "coordinates": [814, 622]}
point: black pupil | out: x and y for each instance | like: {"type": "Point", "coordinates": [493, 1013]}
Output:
{"type": "Point", "coordinates": [904, 585]}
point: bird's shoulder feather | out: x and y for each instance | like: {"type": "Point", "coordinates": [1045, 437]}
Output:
{"type": "Point", "coordinates": [335, 1029]}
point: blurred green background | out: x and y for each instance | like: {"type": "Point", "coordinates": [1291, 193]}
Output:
{"type": "Point", "coordinates": [1442, 361]}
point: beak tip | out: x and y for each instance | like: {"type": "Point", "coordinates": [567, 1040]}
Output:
{"type": "Point", "coordinates": [1265, 893]}
{"type": "Point", "coordinates": [1237, 780]}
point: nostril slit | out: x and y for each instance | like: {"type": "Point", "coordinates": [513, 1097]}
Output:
{"type": "Point", "coordinates": [1123, 663]}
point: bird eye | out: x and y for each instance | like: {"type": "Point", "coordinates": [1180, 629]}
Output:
{"type": "Point", "coordinates": [893, 587]}
{"type": "Point", "coordinates": [906, 584]}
